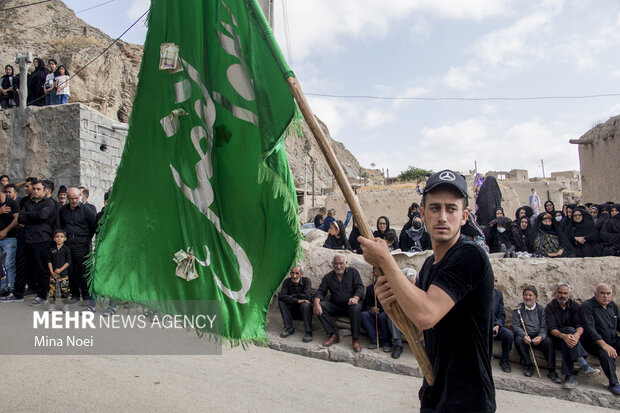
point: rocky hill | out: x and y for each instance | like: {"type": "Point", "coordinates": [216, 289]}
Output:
{"type": "Point", "coordinates": [52, 30]}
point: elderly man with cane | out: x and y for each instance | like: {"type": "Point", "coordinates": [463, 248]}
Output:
{"type": "Point", "coordinates": [530, 327]}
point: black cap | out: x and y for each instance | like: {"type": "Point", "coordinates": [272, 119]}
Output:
{"type": "Point", "coordinates": [446, 178]}
{"type": "Point", "coordinates": [62, 189]}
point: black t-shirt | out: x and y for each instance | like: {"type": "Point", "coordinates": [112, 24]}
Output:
{"type": "Point", "coordinates": [459, 346]}
{"type": "Point", "coordinates": [58, 258]}
{"type": "Point", "coordinates": [6, 219]}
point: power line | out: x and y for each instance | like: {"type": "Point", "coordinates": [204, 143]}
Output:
{"type": "Point", "coordinates": [463, 98]}
{"type": "Point", "coordinates": [25, 5]}
{"type": "Point", "coordinates": [95, 6]}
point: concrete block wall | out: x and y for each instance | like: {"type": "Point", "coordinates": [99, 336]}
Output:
{"type": "Point", "coordinates": [71, 144]}
{"type": "Point", "coordinates": [101, 145]}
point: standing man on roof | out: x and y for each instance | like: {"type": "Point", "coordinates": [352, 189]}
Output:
{"type": "Point", "coordinates": [451, 300]}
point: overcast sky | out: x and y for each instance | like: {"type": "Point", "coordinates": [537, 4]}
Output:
{"type": "Point", "coordinates": [434, 48]}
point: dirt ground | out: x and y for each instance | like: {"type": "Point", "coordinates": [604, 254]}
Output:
{"type": "Point", "coordinates": [254, 380]}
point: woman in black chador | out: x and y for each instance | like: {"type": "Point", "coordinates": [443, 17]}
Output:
{"type": "Point", "coordinates": [583, 234]}
{"type": "Point", "coordinates": [489, 199]}
{"type": "Point", "coordinates": [36, 80]}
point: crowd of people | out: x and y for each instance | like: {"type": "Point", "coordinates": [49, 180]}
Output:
{"type": "Point", "coordinates": [537, 230]}
{"type": "Point", "coordinates": [45, 242]}
{"type": "Point", "coordinates": [565, 325]}
{"type": "Point", "coordinates": [46, 85]}
{"type": "Point", "coordinates": [562, 324]}
{"type": "Point", "coordinates": [589, 230]}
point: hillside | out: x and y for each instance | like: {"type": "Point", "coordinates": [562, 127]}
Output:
{"type": "Point", "coordinates": [52, 30]}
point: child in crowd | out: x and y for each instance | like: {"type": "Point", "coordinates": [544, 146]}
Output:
{"type": "Point", "coordinates": [62, 85]}
{"type": "Point", "coordinates": [58, 263]}
{"type": "Point", "coordinates": [48, 86]}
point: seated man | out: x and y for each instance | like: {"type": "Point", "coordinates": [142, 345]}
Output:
{"type": "Point", "coordinates": [499, 331]}
{"type": "Point", "coordinates": [373, 315]}
{"type": "Point", "coordinates": [294, 303]}
{"type": "Point", "coordinates": [533, 316]}
{"type": "Point", "coordinates": [565, 328]}
{"type": "Point", "coordinates": [346, 288]}
{"type": "Point", "coordinates": [600, 316]}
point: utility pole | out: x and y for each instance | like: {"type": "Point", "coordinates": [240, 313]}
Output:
{"type": "Point", "coordinates": [267, 6]}
{"type": "Point", "coordinates": [312, 183]}
{"type": "Point", "coordinates": [542, 164]}
{"type": "Point", "coordinates": [23, 61]}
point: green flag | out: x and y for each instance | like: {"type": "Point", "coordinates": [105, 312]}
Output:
{"type": "Point", "coordinates": [203, 206]}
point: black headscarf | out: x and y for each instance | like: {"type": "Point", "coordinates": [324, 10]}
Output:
{"type": "Point", "coordinates": [378, 233]}
{"type": "Point", "coordinates": [552, 206]}
{"type": "Point", "coordinates": [586, 228]}
{"type": "Point", "coordinates": [553, 229]}
{"type": "Point", "coordinates": [495, 239]}
{"type": "Point", "coordinates": [522, 236]}
{"type": "Point", "coordinates": [489, 199]}
{"type": "Point", "coordinates": [35, 84]}
{"type": "Point", "coordinates": [355, 233]}
{"type": "Point", "coordinates": [610, 234]}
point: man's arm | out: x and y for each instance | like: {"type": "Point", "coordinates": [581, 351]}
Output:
{"type": "Point", "coordinates": [91, 221]}
{"type": "Point", "coordinates": [425, 309]}
{"type": "Point", "coordinates": [307, 293]}
{"type": "Point", "coordinates": [516, 324]}
{"type": "Point", "coordinates": [9, 227]}
{"type": "Point", "coordinates": [589, 324]}
{"type": "Point", "coordinates": [35, 217]}
{"type": "Point", "coordinates": [285, 294]}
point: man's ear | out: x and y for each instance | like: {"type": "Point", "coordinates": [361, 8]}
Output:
{"type": "Point", "coordinates": [465, 216]}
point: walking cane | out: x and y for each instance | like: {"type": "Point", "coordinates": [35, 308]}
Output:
{"type": "Point", "coordinates": [529, 344]}
{"type": "Point", "coordinates": [377, 319]}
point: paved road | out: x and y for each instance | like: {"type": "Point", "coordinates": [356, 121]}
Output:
{"type": "Point", "coordinates": [257, 379]}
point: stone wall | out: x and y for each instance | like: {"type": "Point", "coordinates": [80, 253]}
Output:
{"type": "Point", "coordinates": [599, 159]}
{"type": "Point", "coordinates": [71, 145]}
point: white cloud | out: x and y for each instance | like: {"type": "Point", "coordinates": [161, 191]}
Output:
{"type": "Point", "coordinates": [137, 7]}
{"type": "Point", "coordinates": [321, 26]}
{"type": "Point", "coordinates": [374, 118]}
{"type": "Point", "coordinates": [497, 145]}
{"type": "Point", "coordinates": [463, 78]}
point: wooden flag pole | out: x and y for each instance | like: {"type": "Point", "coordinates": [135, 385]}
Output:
{"type": "Point", "coordinates": [404, 324]}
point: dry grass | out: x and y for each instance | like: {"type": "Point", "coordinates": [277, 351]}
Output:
{"type": "Point", "coordinates": [76, 41]}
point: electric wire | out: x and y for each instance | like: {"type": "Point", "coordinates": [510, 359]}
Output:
{"type": "Point", "coordinates": [24, 5]}
{"type": "Point", "coordinates": [95, 6]}
{"type": "Point", "coordinates": [447, 98]}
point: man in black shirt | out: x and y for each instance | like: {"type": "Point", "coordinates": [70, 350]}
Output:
{"type": "Point", "coordinates": [451, 301]}
{"type": "Point", "coordinates": [79, 222]}
{"type": "Point", "coordinates": [600, 317]}
{"type": "Point", "coordinates": [37, 216]}
{"type": "Point", "coordinates": [347, 289]}
{"type": "Point", "coordinates": [85, 193]}
{"type": "Point", "coordinates": [8, 241]}
{"type": "Point", "coordinates": [499, 331]}
{"type": "Point", "coordinates": [565, 329]}
{"type": "Point", "coordinates": [294, 303]}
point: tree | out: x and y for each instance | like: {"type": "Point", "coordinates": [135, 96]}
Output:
{"type": "Point", "coordinates": [413, 174]}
